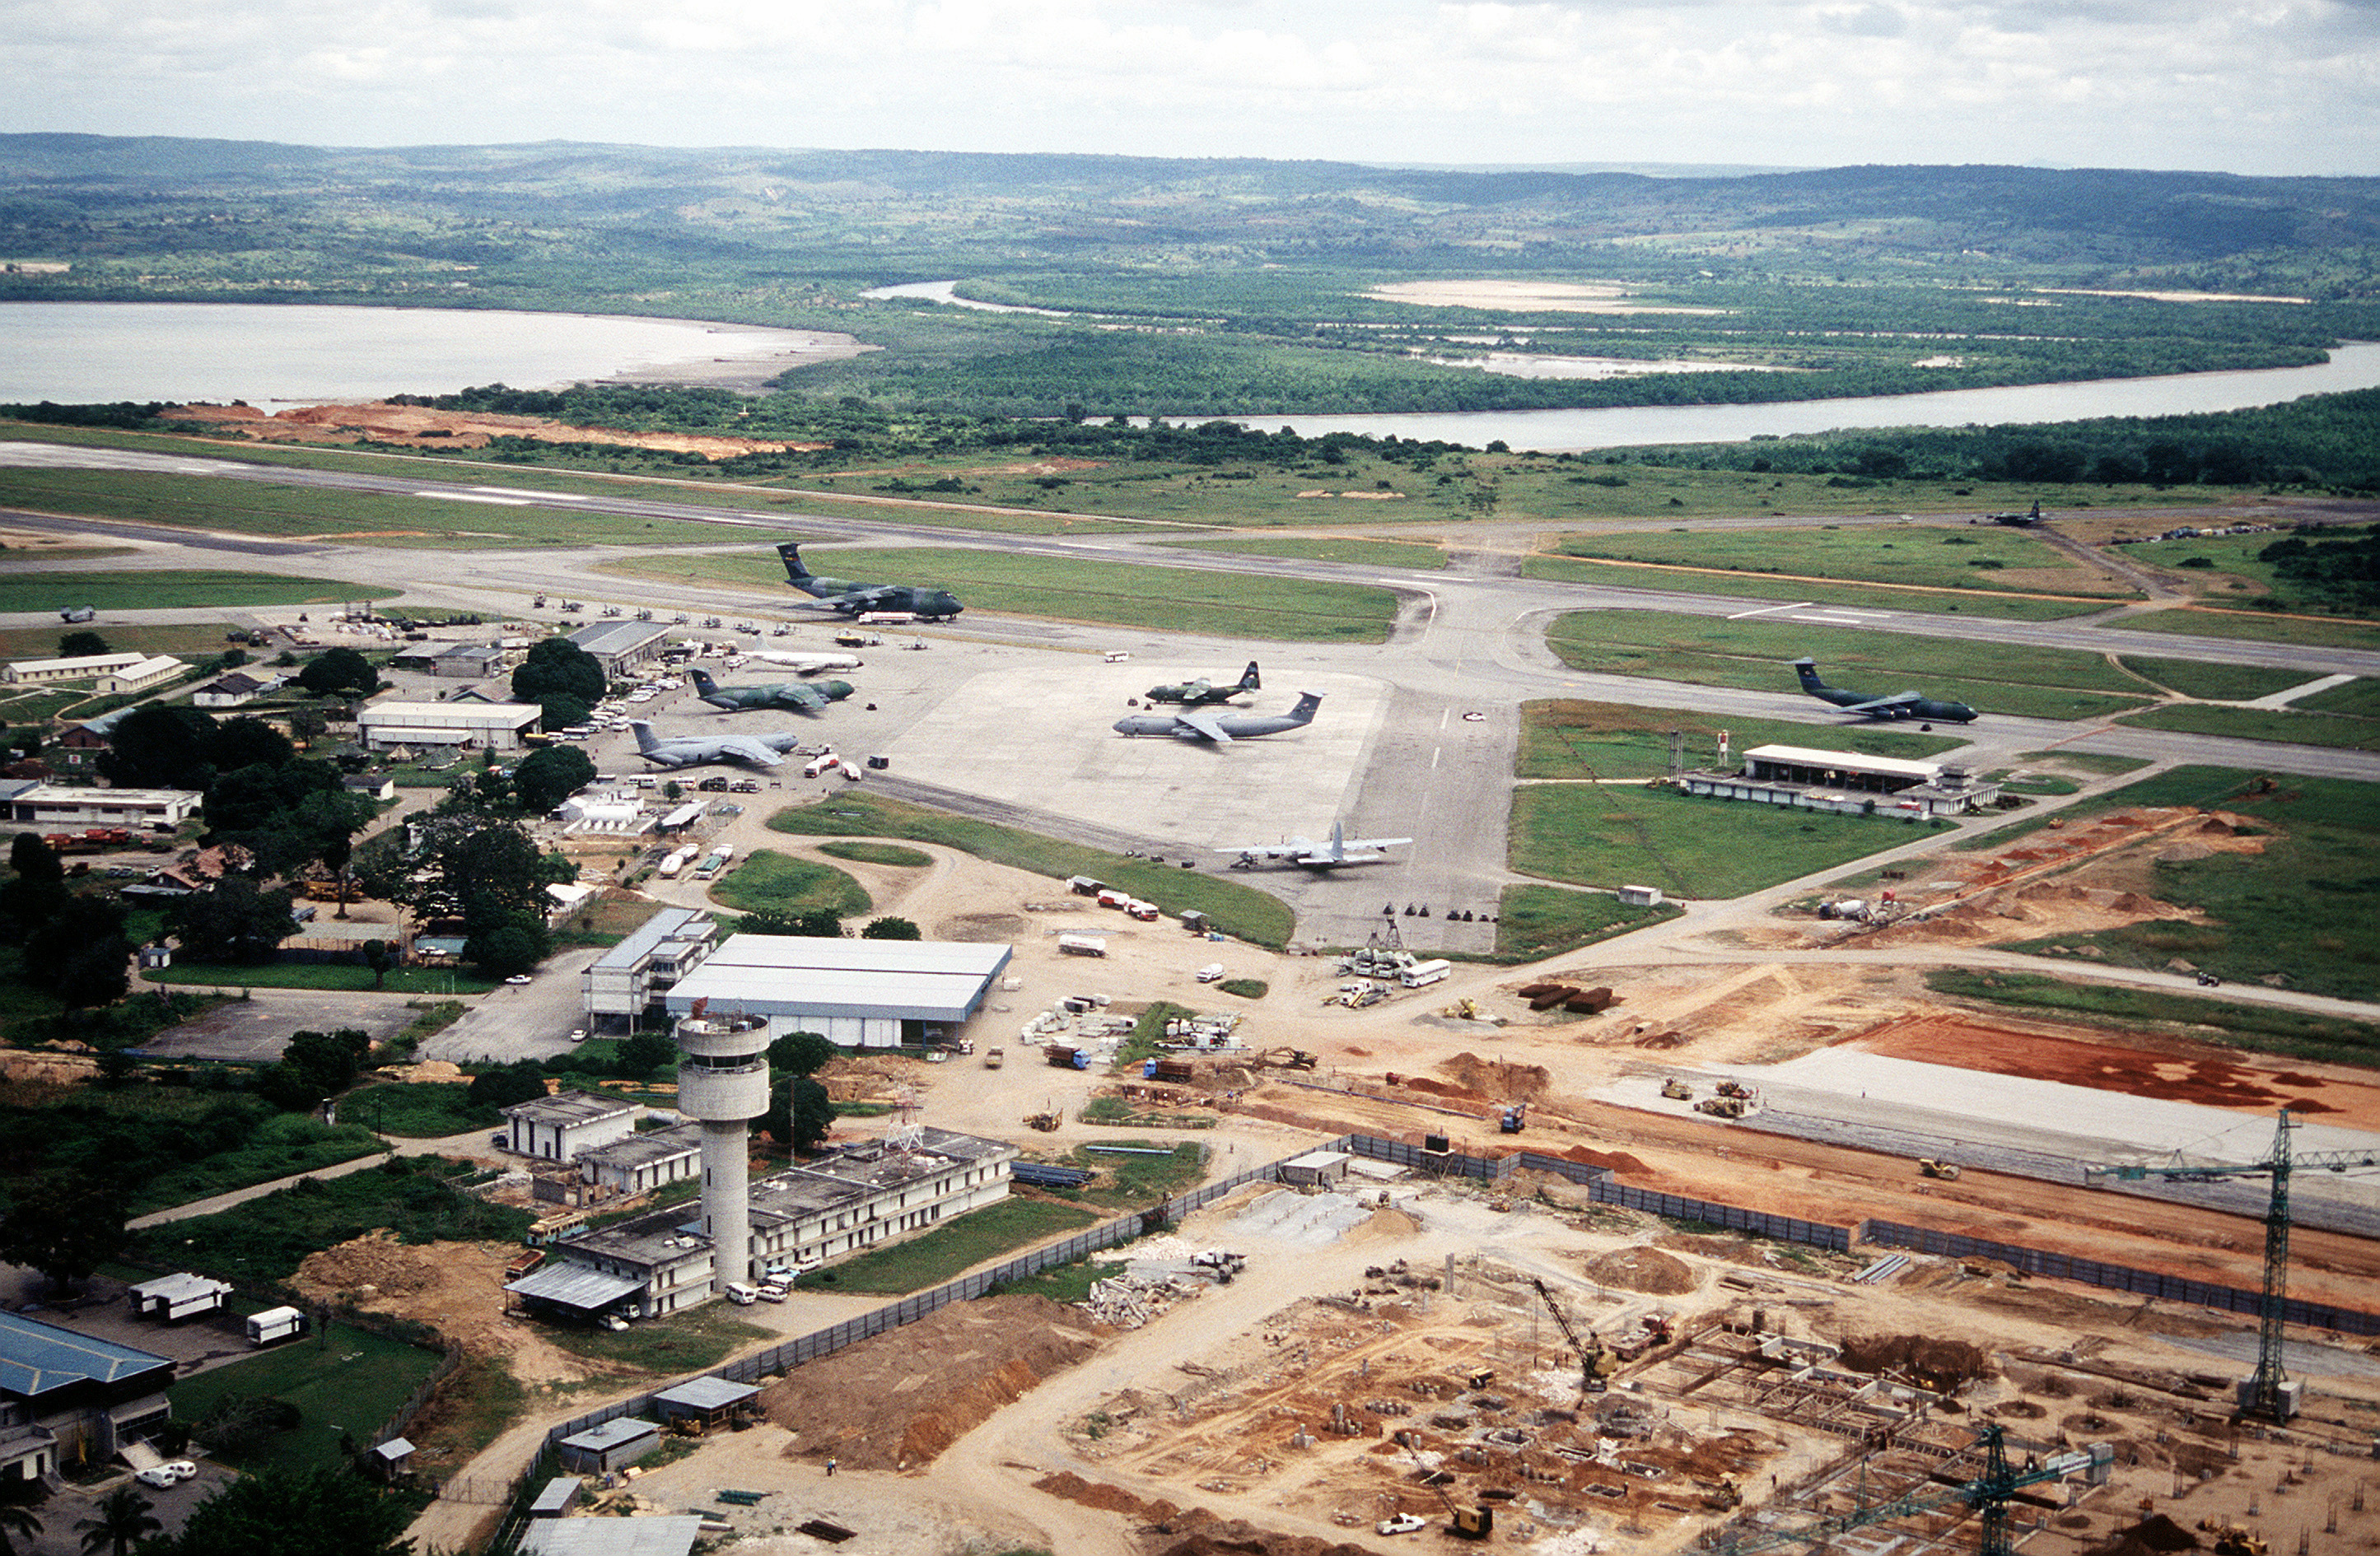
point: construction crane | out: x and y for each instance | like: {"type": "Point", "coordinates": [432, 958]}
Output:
{"type": "Point", "coordinates": [2265, 1393]}
{"type": "Point", "coordinates": [1988, 1494]}
{"type": "Point", "coordinates": [1594, 1366]}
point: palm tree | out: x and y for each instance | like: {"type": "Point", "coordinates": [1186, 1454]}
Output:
{"type": "Point", "coordinates": [123, 1517]}
{"type": "Point", "coordinates": [17, 1522]}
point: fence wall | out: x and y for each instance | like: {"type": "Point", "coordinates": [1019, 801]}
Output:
{"type": "Point", "coordinates": [2116, 1277]}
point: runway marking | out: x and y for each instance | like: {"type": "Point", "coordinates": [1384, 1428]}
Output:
{"type": "Point", "coordinates": [1747, 615]}
{"type": "Point", "coordinates": [1833, 619]}
{"type": "Point", "coordinates": [488, 498]}
{"type": "Point", "coordinates": [1435, 753]}
{"type": "Point", "coordinates": [532, 495]}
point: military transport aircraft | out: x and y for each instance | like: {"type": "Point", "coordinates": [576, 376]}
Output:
{"type": "Point", "coordinates": [803, 697]}
{"type": "Point", "coordinates": [1203, 724]}
{"type": "Point", "coordinates": [1201, 691]}
{"type": "Point", "coordinates": [2021, 521]}
{"type": "Point", "coordinates": [927, 604]}
{"type": "Point", "coordinates": [1340, 850]}
{"type": "Point", "coordinates": [694, 751]}
{"type": "Point", "coordinates": [804, 664]}
{"type": "Point", "coordinates": [1900, 704]}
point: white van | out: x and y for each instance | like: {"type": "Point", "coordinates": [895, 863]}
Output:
{"type": "Point", "coordinates": [741, 1294]}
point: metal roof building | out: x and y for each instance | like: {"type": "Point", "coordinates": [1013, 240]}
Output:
{"type": "Point", "coordinates": [496, 726]}
{"type": "Point", "coordinates": [870, 994]}
{"type": "Point", "coordinates": [641, 969]}
{"type": "Point", "coordinates": [668, 1534]}
{"type": "Point", "coordinates": [620, 646]}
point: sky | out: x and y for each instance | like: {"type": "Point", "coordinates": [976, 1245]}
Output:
{"type": "Point", "coordinates": [2239, 86]}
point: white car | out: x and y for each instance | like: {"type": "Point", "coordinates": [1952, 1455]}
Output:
{"type": "Point", "coordinates": [172, 1472]}
{"type": "Point", "coordinates": [1403, 1523]}
{"type": "Point", "coordinates": [772, 1292]}
{"type": "Point", "coordinates": [519, 978]}
{"type": "Point", "coordinates": [578, 1034]}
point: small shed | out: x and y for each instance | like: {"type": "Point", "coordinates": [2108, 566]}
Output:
{"type": "Point", "coordinates": [560, 1495]}
{"type": "Point", "coordinates": [664, 1534]}
{"type": "Point", "coordinates": [175, 1297]}
{"type": "Point", "coordinates": [1641, 896]}
{"type": "Point", "coordinates": [156, 959]}
{"type": "Point", "coordinates": [1316, 1169]}
{"type": "Point", "coordinates": [1195, 922]}
{"type": "Point", "coordinates": [392, 1460]}
{"type": "Point", "coordinates": [601, 1449]}
{"type": "Point", "coordinates": [708, 1400]}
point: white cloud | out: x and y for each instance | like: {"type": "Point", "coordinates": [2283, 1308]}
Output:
{"type": "Point", "coordinates": [2266, 85]}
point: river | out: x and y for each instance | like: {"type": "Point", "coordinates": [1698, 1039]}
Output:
{"type": "Point", "coordinates": [310, 354]}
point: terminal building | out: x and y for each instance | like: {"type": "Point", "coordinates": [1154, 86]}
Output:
{"type": "Point", "coordinates": [630, 977]}
{"type": "Point", "coordinates": [856, 994]}
{"type": "Point", "coordinates": [1846, 782]}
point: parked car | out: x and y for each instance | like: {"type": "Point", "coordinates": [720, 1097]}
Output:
{"type": "Point", "coordinates": [772, 1292]}
{"type": "Point", "coordinates": [518, 978]}
{"type": "Point", "coordinates": [1403, 1523]}
{"type": "Point", "coordinates": [171, 1472]}
{"type": "Point", "coordinates": [578, 1034]}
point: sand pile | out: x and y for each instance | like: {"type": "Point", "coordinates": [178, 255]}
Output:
{"type": "Point", "coordinates": [897, 1401]}
{"type": "Point", "coordinates": [1168, 1530]}
{"type": "Point", "coordinates": [1946, 1366]}
{"type": "Point", "coordinates": [1643, 1269]}
{"type": "Point", "coordinates": [1494, 1078]}
{"type": "Point", "coordinates": [2152, 1535]}
{"type": "Point", "coordinates": [373, 1265]}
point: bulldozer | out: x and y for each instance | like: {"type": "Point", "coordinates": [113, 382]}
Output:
{"type": "Point", "coordinates": [1677, 1090]}
{"type": "Point", "coordinates": [1461, 1010]}
{"type": "Point", "coordinates": [1933, 1167]}
{"type": "Point", "coordinates": [1045, 1122]}
{"type": "Point", "coordinates": [1724, 1107]}
{"type": "Point", "coordinates": [2230, 1540]}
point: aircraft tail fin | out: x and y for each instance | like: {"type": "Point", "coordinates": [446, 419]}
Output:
{"type": "Point", "coordinates": [645, 740]}
{"type": "Point", "coordinates": [1338, 839]}
{"type": "Point", "coordinates": [1249, 680]}
{"type": "Point", "coordinates": [790, 553]}
{"type": "Point", "coordinates": [1306, 702]}
{"type": "Point", "coordinates": [1809, 672]}
{"type": "Point", "coordinates": [703, 685]}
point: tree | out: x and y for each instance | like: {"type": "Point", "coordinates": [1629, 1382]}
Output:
{"type": "Point", "coordinates": [233, 921]}
{"type": "Point", "coordinates": [83, 644]}
{"type": "Point", "coordinates": [329, 820]}
{"type": "Point", "coordinates": [380, 956]}
{"type": "Point", "coordinates": [37, 893]}
{"type": "Point", "coordinates": [815, 923]}
{"type": "Point", "coordinates": [548, 777]}
{"type": "Point", "coordinates": [329, 1061]}
{"type": "Point", "coordinates": [34, 859]}
{"type": "Point", "coordinates": [77, 951]}
{"type": "Point", "coordinates": [891, 929]}
{"type": "Point", "coordinates": [560, 710]}
{"type": "Point", "coordinates": [640, 1054]}
{"type": "Point", "coordinates": [159, 747]}
{"type": "Point", "coordinates": [801, 1052]}
{"type": "Point", "coordinates": [65, 1224]}
{"type": "Point", "coordinates": [339, 672]}
{"type": "Point", "coordinates": [508, 947]}
{"type": "Point", "coordinates": [323, 1510]}
{"type": "Point", "coordinates": [507, 1084]}
{"type": "Point", "coordinates": [121, 1517]}
{"type": "Point", "coordinates": [800, 1114]}
{"type": "Point", "coordinates": [18, 1522]}
{"type": "Point", "coordinates": [558, 665]}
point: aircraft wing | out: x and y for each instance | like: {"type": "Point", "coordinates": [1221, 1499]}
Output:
{"type": "Point", "coordinates": [1295, 847]}
{"type": "Point", "coordinates": [1206, 723]}
{"type": "Point", "coordinates": [1352, 844]}
{"type": "Point", "coordinates": [807, 664]}
{"type": "Point", "coordinates": [871, 597]}
{"type": "Point", "coordinates": [802, 696]}
{"type": "Point", "coordinates": [1887, 708]}
{"type": "Point", "coordinates": [745, 749]}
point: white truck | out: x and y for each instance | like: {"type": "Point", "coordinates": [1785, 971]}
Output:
{"type": "Point", "coordinates": [275, 1323]}
{"type": "Point", "coordinates": [1082, 945]}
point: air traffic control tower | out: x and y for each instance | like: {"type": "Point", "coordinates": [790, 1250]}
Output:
{"type": "Point", "coordinates": [723, 1084]}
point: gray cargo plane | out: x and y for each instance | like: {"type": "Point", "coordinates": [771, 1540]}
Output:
{"type": "Point", "coordinates": [806, 697]}
{"type": "Point", "coordinates": [695, 751]}
{"type": "Point", "coordinates": [1900, 704]}
{"type": "Point", "coordinates": [1206, 724]}
{"type": "Point", "coordinates": [1340, 850]}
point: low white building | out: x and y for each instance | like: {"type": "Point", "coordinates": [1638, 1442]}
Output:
{"type": "Point", "coordinates": [81, 667]}
{"type": "Point", "coordinates": [639, 1164]}
{"type": "Point", "coordinates": [58, 804]}
{"type": "Point", "coordinates": [563, 1126]}
{"type": "Point", "coordinates": [488, 726]}
{"type": "Point", "coordinates": [858, 993]}
{"type": "Point", "coordinates": [627, 979]}
{"type": "Point", "coordinates": [1803, 777]}
{"type": "Point", "coordinates": [141, 676]}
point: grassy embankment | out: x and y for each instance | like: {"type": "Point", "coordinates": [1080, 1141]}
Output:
{"type": "Point", "coordinates": [771, 882]}
{"type": "Point", "coordinates": [173, 588]}
{"type": "Point", "coordinates": [1930, 558]}
{"type": "Point", "coordinates": [343, 1380]}
{"type": "Point", "coordinates": [1236, 910]}
{"type": "Point", "coordinates": [952, 1248]}
{"type": "Point", "coordinates": [1122, 594]}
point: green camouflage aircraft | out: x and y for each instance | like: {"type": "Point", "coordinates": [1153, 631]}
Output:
{"type": "Point", "coordinates": [804, 696]}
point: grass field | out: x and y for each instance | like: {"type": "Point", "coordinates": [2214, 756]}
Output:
{"type": "Point", "coordinates": [175, 588]}
{"type": "Point", "coordinates": [2259, 626]}
{"type": "Point", "coordinates": [1352, 549]}
{"type": "Point", "coordinates": [2285, 725]}
{"type": "Point", "coordinates": [194, 640]}
{"type": "Point", "coordinates": [1534, 921]}
{"type": "Point", "coordinates": [265, 1239]}
{"type": "Point", "coordinates": [1626, 576]}
{"type": "Point", "coordinates": [775, 883]}
{"type": "Point", "coordinates": [324, 975]}
{"type": "Point", "coordinates": [1127, 1182]}
{"type": "Point", "coordinates": [1932, 555]}
{"type": "Point", "coordinates": [1238, 910]}
{"type": "Point", "coordinates": [1569, 739]}
{"type": "Point", "coordinates": [1609, 836]}
{"type": "Point", "coordinates": [422, 1110]}
{"type": "Point", "coordinates": [283, 1146]}
{"type": "Point", "coordinates": [343, 1380]}
{"type": "Point", "coordinates": [951, 1248]}
{"type": "Point", "coordinates": [2355, 699]}
{"type": "Point", "coordinates": [1122, 594]}
{"type": "Point", "coordinates": [2034, 683]}
{"type": "Point", "coordinates": [679, 1343]}
{"type": "Point", "coordinates": [2211, 681]}
{"type": "Point", "coordinates": [2303, 914]}
{"type": "Point", "coordinates": [2264, 1029]}
{"type": "Point", "coordinates": [892, 854]}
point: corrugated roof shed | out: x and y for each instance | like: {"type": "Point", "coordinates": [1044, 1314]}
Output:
{"type": "Point", "coordinates": [669, 1535]}
{"type": "Point", "coordinates": [37, 1357]}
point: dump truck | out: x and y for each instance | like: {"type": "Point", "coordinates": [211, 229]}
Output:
{"type": "Point", "coordinates": [1676, 1091]}
{"type": "Point", "coordinates": [1723, 1107]}
{"type": "Point", "coordinates": [1067, 1059]}
{"type": "Point", "coordinates": [1933, 1167]}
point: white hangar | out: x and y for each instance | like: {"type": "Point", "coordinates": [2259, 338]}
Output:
{"type": "Point", "coordinates": [859, 994]}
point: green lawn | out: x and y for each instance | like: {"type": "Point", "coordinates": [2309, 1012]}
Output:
{"type": "Point", "coordinates": [2285, 725]}
{"type": "Point", "coordinates": [1123, 594]}
{"type": "Point", "coordinates": [1569, 739]}
{"type": "Point", "coordinates": [951, 1248]}
{"type": "Point", "coordinates": [1238, 910]}
{"type": "Point", "coordinates": [1352, 549]}
{"type": "Point", "coordinates": [1536, 922]}
{"type": "Point", "coordinates": [1757, 655]}
{"type": "Point", "coordinates": [265, 1239]}
{"type": "Point", "coordinates": [1609, 836]}
{"type": "Point", "coordinates": [284, 1146]}
{"type": "Point", "coordinates": [423, 1110]}
{"type": "Point", "coordinates": [2313, 632]}
{"type": "Point", "coordinates": [175, 588]}
{"type": "Point", "coordinates": [678, 1342]}
{"type": "Point", "coordinates": [345, 1381]}
{"type": "Point", "coordinates": [324, 975]}
{"type": "Point", "coordinates": [2212, 681]}
{"type": "Point", "coordinates": [2302, 914]}
{"type": "Point", "coordinates": [1929, 556]}
{"type": "Point", "coordinates": [878, 854]}
{"type": "Point", "coordinates": [768, 880]}
{"type": "Point", "coordinates": [2356, 699]}
{"type": "Point", "coordinates": [1753, 586]}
